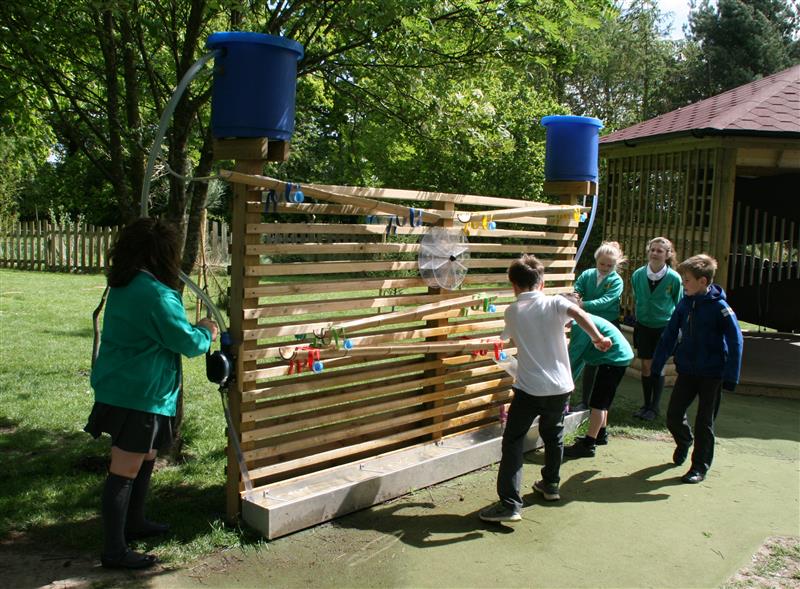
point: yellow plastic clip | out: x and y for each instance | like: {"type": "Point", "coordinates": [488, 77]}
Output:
{"type": "Point", "coordinates": [576, 214]}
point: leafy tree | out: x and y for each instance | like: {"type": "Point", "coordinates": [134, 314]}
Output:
{"type": "Point", "coordinates": [735, 42]}
{"type": "Point", "coordinates": [377, 86]}
{"type": "Point", "coordinates": [619, 74]}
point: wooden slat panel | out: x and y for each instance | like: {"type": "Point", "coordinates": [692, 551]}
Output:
{"type": "Point", "coordinates": [302, 415]}
{"type": "Point", "coordinates": [323, 458]}
{"type": "Point", "coordinates": [388, 390]}
{"type": "Point", "coordinates": [337, 434]}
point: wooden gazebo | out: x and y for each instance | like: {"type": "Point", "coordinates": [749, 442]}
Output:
{"type": "Point", "coordinates": [720, 176]}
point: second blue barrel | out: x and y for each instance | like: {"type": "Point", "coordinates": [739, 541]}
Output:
{"type": "Point", "coordinates": [255, 79]}
{"type": "Point", "coordinates": [571, 148]}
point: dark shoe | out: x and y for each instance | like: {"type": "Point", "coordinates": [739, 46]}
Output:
{"type": "Point", "coordinates": [693, 477]}
{"type": "Point", "coordinates": [679, 455]}
{"type": "Point", "coordinates": [129, 560]}
{"type": "Point", "coordinates": [602, 438]}
{"type": "Point", "coordinates": [146, 529]}
{"type": "Point", "coordinates": [649, 415]}
{"type": "Point", "coordinates": [580, 449]}
{"type": "Point", "coordinates": [639, 412]}
{"type": "Point", "coordinates": [548, 490]}
{"type": "Point", "coordinates": [499, 513]}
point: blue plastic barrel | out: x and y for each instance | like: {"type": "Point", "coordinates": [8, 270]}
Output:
{"type": "Point", "coordinates": [255, 78]}
{"type": "Point", "coordinates": [571, 148]}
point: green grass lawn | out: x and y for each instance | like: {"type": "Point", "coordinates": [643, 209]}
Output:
{"type": "Point", "coordinates": [53, 471]}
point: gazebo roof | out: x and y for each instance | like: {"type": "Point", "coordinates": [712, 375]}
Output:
{"type": "Point", "coordinates": [767, 107]}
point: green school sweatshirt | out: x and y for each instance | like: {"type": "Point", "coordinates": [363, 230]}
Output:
{"type": "Point", "coordinates": [583, 352]}
{"type": "Point", "coordinates": [600, 299]}
{"type": "Point", "coordinates": [145, 331]}
{"type": "Point", "coordinates": [653, 309]}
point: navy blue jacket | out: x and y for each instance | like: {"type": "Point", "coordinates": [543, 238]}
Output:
{"type": "Point", "coordinates": [705, 338]}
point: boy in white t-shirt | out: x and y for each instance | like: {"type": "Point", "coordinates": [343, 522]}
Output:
{"type": "Point", "coordinates": [535, 324]}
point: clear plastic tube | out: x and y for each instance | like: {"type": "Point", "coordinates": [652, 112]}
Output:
{"type": "Point", "coordinates": [588, 231]}
{"type": "Point", "coordinates": [155, 150]}
{"type": "Point", "coordinates": [203, 296]}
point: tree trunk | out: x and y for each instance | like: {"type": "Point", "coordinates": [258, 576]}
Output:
{"type": "Point", "coordinates": [199, 193]}
{"type": "Point", "coordinates": [119, 180]}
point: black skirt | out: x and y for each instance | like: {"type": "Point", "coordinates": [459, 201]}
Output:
{"type": "Point", "coordinates": [131, 430]}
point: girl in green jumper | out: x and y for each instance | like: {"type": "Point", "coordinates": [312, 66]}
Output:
{"type": "Point", "coordinates": [599, 289]}
{"type": "Point", "coordinates": [657, 289]}
{"type": "Point", "coordinates": [137, 376]}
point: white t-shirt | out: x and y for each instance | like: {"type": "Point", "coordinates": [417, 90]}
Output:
{"type": "Point", "coordinates": [536, 324]}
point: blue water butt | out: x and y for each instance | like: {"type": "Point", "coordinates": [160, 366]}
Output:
{"type": "Point", "coordinates": [571, 148]}
{"type": "Point", "coordinates": [255, 78]}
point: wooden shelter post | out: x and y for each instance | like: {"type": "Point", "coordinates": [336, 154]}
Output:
{"type": "Point", "coordinates": [722, 211]}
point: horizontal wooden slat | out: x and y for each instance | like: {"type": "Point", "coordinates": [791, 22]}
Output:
{"type": "Point", "coordinates": [315, 249]}
{"type": "Point", "coordinates": [367, 205]}
{"type": "Point", "coordinates": [353, 304]}
{"type": "Point", "coordinates": [306, 209]}
{"type": "Point", "coordinates": [348, 266]}
{"type": "Point", "coordinates": [321, 458]}
{"type": "Point", "coordinates": [355, 285]}
{"type": "Point", "coordinates": [296, 328]}
{"type": "Point", "coordinates": [423, 195]}
{"type": "Point", "coordinates": [378, 230]}
{"type": "Point", "coordinates": [271, 350]}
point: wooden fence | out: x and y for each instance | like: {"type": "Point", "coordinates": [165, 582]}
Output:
{"type": "Point", "coordinates": [73, 247]}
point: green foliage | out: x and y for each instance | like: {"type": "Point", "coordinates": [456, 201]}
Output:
{"type": "Point", "coordinates": [408, 93]}
{"type": "Point", "coordinates": [620, 75]}
{"type": "Point", "coordinates": [733, 42]}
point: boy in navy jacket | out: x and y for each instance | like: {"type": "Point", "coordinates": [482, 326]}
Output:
{"type": "Point", "coordinates": [705, 338]}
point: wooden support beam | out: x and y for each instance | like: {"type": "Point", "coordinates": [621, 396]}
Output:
{"type": "Point", "coordinates": [251, 148]}
{"type": "Point", "coordinates": [239, 300]}
{"type": "Point", "coordinates": [367, 206]}
{"type": "Point", "coordinates": [570, 188]}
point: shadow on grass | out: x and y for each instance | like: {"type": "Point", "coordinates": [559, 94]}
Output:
{"type": "Point", "coordinates": [416, 528]}
{"type": "Point", "coordinates": [590, 486]}
{"type": "Point", "coordinates": [78, 333]}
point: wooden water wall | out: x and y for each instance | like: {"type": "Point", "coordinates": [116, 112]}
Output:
{"type": "Point", "coordinates": [301, 268]}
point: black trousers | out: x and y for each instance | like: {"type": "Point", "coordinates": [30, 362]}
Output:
{"type": "Point", "coordinates": [709, 394]}
{"type": "Point", "coordinates": [524, 409]}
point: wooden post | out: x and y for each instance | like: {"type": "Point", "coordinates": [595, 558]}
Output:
{"type": "Point", "coordinates": [433, 323]}
{"type": "Point", "coordinates": [722, 211]}
{"type": "Point", "coordinates": [568, 193]}
{"type": "Point", "coordinates": [251, 155]}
